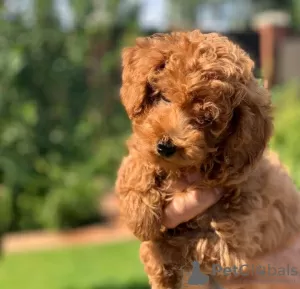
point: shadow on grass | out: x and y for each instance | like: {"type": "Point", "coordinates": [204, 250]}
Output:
{"type": "Point", "coordinates": [120, 286]}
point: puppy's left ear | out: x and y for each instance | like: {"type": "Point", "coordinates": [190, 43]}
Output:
{"type": "Point", "coordinates": [252, 126]}
{"type": "Point", "coordinates": [138, 63]}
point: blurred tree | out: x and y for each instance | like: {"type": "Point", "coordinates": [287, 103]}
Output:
{"type": "Point", "coordinates": [62, 125]}
{"type": "Point", "coordinates": [184, 13]}
{"type": "Point", "coordinates": [295, 11]}
{"type": "Point", "coordinates": [273, 4]}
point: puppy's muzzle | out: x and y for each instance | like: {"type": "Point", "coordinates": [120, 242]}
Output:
{"type": "Point", "coordinates": [166, 148]}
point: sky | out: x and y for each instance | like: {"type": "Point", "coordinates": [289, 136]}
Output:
{"type": "Point", "coordinates": [153, 14]}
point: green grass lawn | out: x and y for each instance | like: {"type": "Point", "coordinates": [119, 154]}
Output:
{"type": "Point", "coordinates": [112, 266]}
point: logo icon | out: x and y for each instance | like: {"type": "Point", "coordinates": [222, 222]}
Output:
{"type": "Point", "coordinates": [199, 278]}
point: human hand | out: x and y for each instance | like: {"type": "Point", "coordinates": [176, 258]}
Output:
{"type": "Point", "coordinates": [188, 205]}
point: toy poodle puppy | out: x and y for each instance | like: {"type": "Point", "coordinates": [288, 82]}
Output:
{"type": "Point", "coordinates": [196, 108]}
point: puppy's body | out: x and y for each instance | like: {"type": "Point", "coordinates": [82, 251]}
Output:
{"type": "Point", "coordinates": [196, 108]}
{"type": "Point", "coordinates": [256, 217]}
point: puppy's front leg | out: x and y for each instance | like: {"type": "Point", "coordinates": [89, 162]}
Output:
{"type": "Point", "coordinates": [162, 273]}
{"type": "Point", "coordinates": [142, 216]}
{"type": "Point", "coordinates": [141, 204]}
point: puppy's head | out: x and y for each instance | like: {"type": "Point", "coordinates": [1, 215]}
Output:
{"type": "Point", "coordinates": [193, 101]}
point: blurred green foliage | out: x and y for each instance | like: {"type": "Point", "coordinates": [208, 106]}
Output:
{"type": "Point", "coordinates": [62, 126]}
{"type": "Point", "coordinates": [287, 127]}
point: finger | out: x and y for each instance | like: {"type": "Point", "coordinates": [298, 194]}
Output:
{"type": "Point", "coordinates": [198, 201]}
{"type": "Point", "coordinates": [186, 206]}
{"type": "Point", "coordinates": [202, 199]}
{"type": "Point", "coordinates": [174, 212]}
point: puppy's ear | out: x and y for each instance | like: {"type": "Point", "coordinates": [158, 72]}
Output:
{"type": "Point", "coordinates": [138, 63]}
{"type": "Point", "coordinates": [252, 127]}
{"type": "Point", "coordinates": [133, 90]}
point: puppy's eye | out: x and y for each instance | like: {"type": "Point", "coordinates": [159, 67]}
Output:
{"type": "Point", "coordinates": [161, 97]}
{"type": "Point", "coordinates": [164, 98]}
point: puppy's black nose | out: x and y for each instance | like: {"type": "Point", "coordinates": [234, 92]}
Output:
{"type": "Point", "coordinates": [166, 148]}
